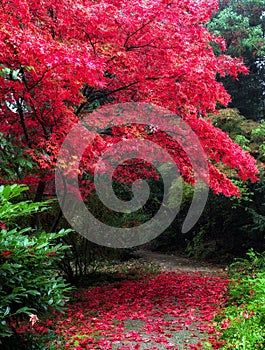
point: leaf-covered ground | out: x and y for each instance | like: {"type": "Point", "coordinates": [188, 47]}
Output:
{"type": "Point", "coordinates": [169, 310]}
{"type": "Point", "coordinates": [141, 308]}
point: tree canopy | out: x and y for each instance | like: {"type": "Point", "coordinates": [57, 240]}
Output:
{"type": "Point", "coordinates": [60, 60]}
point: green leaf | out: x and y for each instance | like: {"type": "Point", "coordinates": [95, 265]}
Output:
{"type": "Point", "coordinates": [25, 310]}
{"type": "Point", "coordinates": [7, 311]}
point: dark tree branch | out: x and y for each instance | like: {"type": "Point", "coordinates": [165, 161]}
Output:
{"type": "Point", "coordinates": [22, 120]}
{"type": "Point", "coordinates": [135, 32]}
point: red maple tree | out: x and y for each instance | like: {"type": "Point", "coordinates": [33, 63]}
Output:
{"type": "Point", "coordinates": [61, 59]}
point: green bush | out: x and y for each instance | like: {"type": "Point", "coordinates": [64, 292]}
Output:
{"type": "Point", "coordinates": [258, 134]}
{"type": "Point", "coordinates": [254, 262]}
{"type": "Point", "coordinates": [198, 248]}
{"type": "Point", "coordinates": [243, 322]}
{"type": "Point", "coordinates": [29, 280]}
{"type": "Point", "coordinates": [242, 141]}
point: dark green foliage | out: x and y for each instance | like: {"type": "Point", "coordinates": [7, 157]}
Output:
{"type": "Point", "coordinates": [228, 227]}
{"type": "Point", "coordinates": [220, 233]}
{"type": "Point", "coordinates": [231, 226]}
{"type": "Point", "coordinates": [123, 191]}
{"type": "Point", "coordinates": [83, 259]}
{"type": "Point", "coordinates": [15, 162]}
{"type": "Point", "coordinates": [29, 281]}
{"type": "Point", "coordinates": [242, 24]}
{"type": "Point", "coordinates": [242, 323]}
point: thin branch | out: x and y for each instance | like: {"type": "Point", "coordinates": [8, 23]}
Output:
{"type": "Point", "coordinates": [116, 90]}
{"type": "Point", "coordinates": [135, 32]}
{"type": "Point", "coordinates": [130, 48]}
{"type": "Point", "coordinates": [91, 43]}
{"type": "Point", "coordinates": [39, 120]}
{"type": "Point", "coordinates": [90, 100]}
{"type": "Point", "coordinates": [38, 81]}
{"type": "Point", "coordinates": [31, 103]}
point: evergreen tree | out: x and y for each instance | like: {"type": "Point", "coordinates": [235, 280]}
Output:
{"type": "Point", "coordinates": [242, 24]}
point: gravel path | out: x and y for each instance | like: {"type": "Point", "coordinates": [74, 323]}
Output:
{"type": "Point", "coordinates": [190, 334]}
{"type": "Point", "coordinates": [178, 263]}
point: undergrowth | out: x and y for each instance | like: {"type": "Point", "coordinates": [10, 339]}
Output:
{"type": "Point", "coordinates": [242, 323]}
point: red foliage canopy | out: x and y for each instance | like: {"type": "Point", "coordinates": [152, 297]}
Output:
{"type": "Point", "coordinates": [61, 58]}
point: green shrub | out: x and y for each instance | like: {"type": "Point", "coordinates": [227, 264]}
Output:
{"type": "Point", "coordinates": [15, 162]}
{"type": "Point", "coordinates": [242, 141]}
{"type": "Point", "coordinates": [243, 266]}
{"type": "Point", "coordinates": [29, 280]}
{"type": "Point", "coordinates": [243, 322]}
{"type": "Point", "coordinates": [198, 248]}
{"type": "Point", "coordinates": [258, 134]}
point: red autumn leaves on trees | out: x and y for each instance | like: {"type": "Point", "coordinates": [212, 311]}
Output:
{"type": "Point", "coordinates": [60, 59]}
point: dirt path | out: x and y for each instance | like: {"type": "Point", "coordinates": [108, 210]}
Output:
{"type": "Point", "coordinates": [174, 262]}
